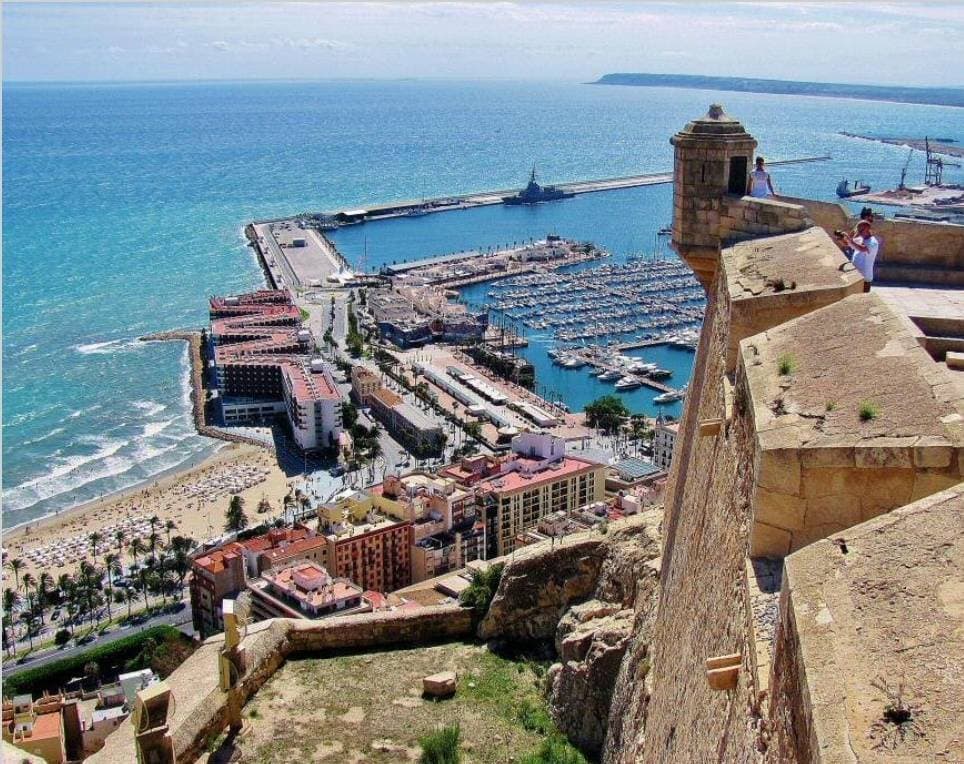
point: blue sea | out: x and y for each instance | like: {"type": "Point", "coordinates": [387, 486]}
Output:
{"type": "Point", "coordinates": [123, 208]}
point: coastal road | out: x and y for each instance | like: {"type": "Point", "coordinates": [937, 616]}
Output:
{"type": "Point", "coordinates": [182, 619]}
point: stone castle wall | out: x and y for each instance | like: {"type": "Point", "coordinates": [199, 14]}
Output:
{"type": "Point", "coordinates": [758, 441]}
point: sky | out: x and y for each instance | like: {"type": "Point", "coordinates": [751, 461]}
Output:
{"type": "Point", "coordinates": [868, 42]}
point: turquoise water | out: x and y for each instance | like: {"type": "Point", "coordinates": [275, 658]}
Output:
{"type": "Point", "coordinates": [123, 207]}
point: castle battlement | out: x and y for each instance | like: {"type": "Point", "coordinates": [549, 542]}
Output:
{"type": "Point", "coordinates": [819, 418]}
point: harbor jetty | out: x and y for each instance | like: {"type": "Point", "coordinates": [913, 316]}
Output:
{"type": "Point", "coordinates": [418, 207]}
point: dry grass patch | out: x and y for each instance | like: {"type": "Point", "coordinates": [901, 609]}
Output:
{"type": "Point", "coordinates": [370, 707]}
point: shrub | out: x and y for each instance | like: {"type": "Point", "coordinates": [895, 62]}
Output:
{"type": "Point", "coordinates": [478, 595]}
{"type": "Point", "coordinates": [868, 411]}
{"type": "Point", "coordinates": [62, 637]}
{"type": "Point", "coordinates": [535, 718]}
{"type": "Point", "coordinates": [831, 406]}
{"type": "Point", "coordinates": [442, 746]}
{"type": "Point", "coordinates": [787, 364]}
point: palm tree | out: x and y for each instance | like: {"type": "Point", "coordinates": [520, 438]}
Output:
{"type": "Point", "coordinates": [44, 585]}
{"type": "Point", "coordinates": [95, 538]}
{"type": "Point", "coordinates": [27, 618]}
{"type": "Point", "coordinates": [10, 601]}
{"type": "Point", "coordinates": [131, 596]}
{"type": "Point", "coordinates": [135, 548]}
{"type": "Point", "coordinates": [88, 581]}
{"type": "Point", "coordinates": [152, 540]}
{"type": "Point", "coordinates": [111, 566]}
{"type": "Point", "coordinates": [119, 538]}
{"type": "Point", "coordinates": [16, 565]}
{"type": "Point", "coordinates": [169, 526]}
{"type": "Point", "coordinates": [181, 565]}
{"type": "Point", "coordinates": [28, 582]}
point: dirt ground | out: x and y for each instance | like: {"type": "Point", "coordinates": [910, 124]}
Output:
{"type": "Point", "coordinates": [369, 708]}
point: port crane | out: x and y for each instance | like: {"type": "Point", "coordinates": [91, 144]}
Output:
{"type": "Point", "coordinates": [934, 170]}
{"type": "Point", "coordinates": [903, 172]}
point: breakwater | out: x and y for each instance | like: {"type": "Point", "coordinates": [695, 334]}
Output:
{"type": "Point", "coordinates": [198, 391]}
{"type": "Point", "coordinates": [419, 207]}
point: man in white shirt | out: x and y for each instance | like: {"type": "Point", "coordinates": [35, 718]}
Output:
{"type": "Point", "coordinates": [865, 247]}
{"type": "Point", "coordinates": [759, 183]}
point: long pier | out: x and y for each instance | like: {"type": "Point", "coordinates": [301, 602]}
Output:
{"type": "Point", "coordinates": [414, 207]}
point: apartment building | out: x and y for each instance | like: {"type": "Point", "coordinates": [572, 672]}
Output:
{"type": "Point", "coordinates": [536, 479]}
{"type": "Point", "coordinates": [664, 441]}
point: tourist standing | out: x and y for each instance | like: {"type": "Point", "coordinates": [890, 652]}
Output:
{"type": "Point", "coordinates": [865, 247]}
{"type": "Point", "coordinates": [759, 184]}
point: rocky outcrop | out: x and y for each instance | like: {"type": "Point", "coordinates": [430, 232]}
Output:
{"type": "Point", "coordinates": [595, 598]}
{"type": "Point", "coordinates": [538, 586]}
{"type": "Point", "coordinates": [594, 636]}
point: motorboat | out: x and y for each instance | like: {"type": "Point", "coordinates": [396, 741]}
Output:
{"type": "Point", "coordinates": [610, 375]}
{"type": "Point", "coordinates": [669, 397]}
{"type": "Point", "coordinates": [628, 383]}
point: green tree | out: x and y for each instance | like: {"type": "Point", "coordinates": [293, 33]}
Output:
{"type": "Point", "coordinates": [606, 413]}
{"type": "Point", "coordinates": [16, 565]}
{"type": "Point", "coordinates": [235, 518]}
{"type": "Point", "coordinates": [349, 414]}
{"type": "Point", "coordinates": [473, 430]}
{"type": "Point", "coordinates": [10, 601]}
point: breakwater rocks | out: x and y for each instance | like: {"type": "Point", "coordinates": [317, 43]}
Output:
{"type": "Point", "coordinates": [194, 339]}
{"type": "Point", "coordinates": [593, 598]}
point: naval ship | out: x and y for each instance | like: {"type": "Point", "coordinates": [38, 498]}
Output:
{"type": "Point", "coordinates": [533, 193]}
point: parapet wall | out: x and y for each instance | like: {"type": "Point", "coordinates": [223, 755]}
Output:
{"type": "Point", "coordinates": [201, 707]}
{"type": "Point", "coordinates": [911, 251]}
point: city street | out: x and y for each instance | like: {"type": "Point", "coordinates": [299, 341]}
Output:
{"type": "Point", "coordinates": [181, 618]}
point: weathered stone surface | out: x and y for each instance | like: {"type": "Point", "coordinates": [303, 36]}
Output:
{"type": "Point", "coordinates": [581, 686]}
{"type": "Point", "coordinates": [440, 685]}
{"type": "Point", "coordinates": [536, 589]}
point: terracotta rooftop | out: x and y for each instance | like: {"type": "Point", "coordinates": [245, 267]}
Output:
{"type": "Point", "coordinates": [294, 548]}
{"type": "Point", "coordinates": [215, 561]}
{"type": "Point", "coordinates": [45, 726]}
{"type": "Point", "coordinates": [517, 480]}
{"type": "Point", "coordinates": [387, 397]}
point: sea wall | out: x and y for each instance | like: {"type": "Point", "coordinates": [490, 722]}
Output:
{"type": "Point", "coordinates": [193, 338]}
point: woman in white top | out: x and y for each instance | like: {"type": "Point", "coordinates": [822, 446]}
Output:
{"type": "Point", "coordinates": [865, 246]}
{"type": "Point", "coordinates": [759, 183]}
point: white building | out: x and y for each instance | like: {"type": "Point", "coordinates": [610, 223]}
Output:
{"type": "Point", "coordinates": [313, 403]}
{"type": "Point", "coordinates": [664, 442]}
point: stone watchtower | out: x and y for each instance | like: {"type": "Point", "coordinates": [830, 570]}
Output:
{"type": "Point", "coordinates": [712, 161]}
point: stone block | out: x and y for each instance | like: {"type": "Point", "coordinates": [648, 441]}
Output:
{"type": "Point", "coordinates": [927, 483]}
{"type": "Point", "coordinates": [767, 541]}
{"type": "Point", "coordinates": [779, 470]}
{"type": "Point", "coordinates": [842, 511]}
{"type": "Point", "coordinates": [883, 455]}
{"type": "Point", "coordinates": [779, 509]}
{"type": "Point", "coordinates": [441, 685]}
{"type": "Point", "coordinates": [834, 456]}
{"type": "Point", "coordinates": [936, 456]}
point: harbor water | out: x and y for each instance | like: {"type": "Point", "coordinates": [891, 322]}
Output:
{"type": "Point", "coordinates": [124, 206]}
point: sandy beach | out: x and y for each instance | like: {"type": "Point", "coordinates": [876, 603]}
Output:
{"type": "Point", "coordinates": [194, 499]}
